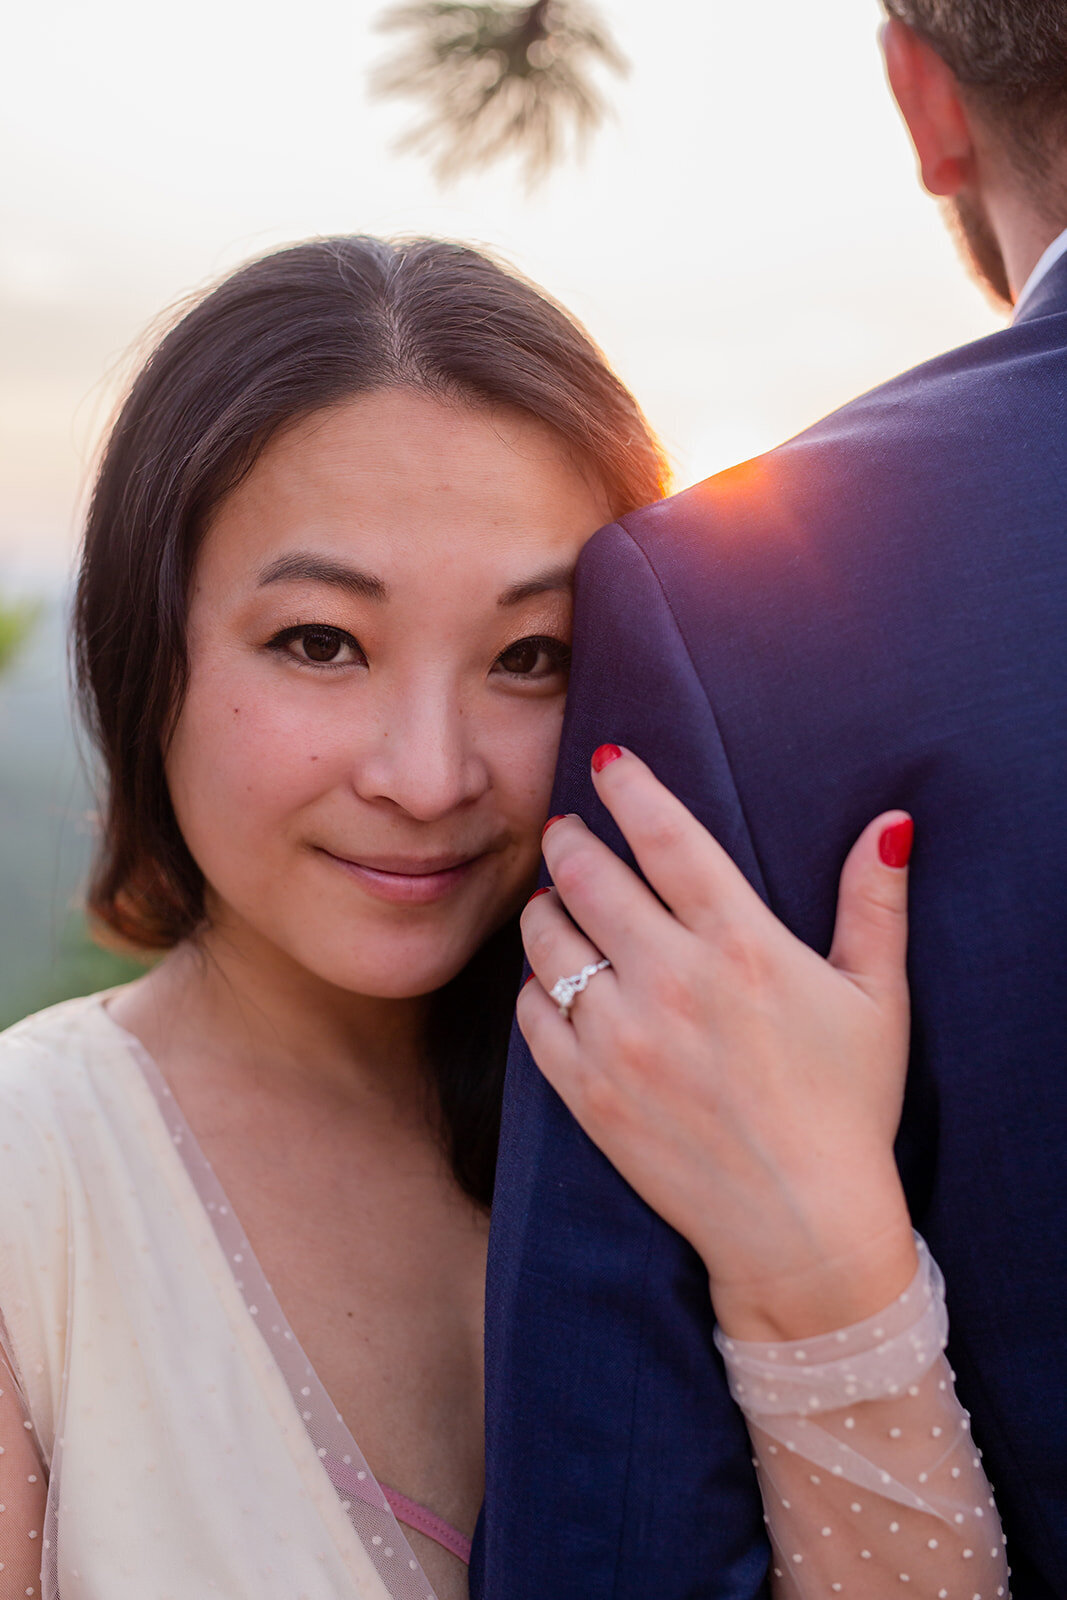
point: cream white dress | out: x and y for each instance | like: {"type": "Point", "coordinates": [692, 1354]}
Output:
{"type": "Point", "coordinates": [163, 1436]}
{"type": "Point", "coordinates": [189, 1449]}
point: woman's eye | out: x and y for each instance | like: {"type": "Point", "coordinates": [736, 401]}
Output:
{"type": "Point", "coordinates": [534, 658]}
{"type": "Point", "coordinates": [318, 645]}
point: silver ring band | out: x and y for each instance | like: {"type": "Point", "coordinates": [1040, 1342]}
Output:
{"type": "Point", "coordinates": [565, 991]}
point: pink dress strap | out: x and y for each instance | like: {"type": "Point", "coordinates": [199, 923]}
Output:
{"type": "Point", "coordinates": [348, 1481]}
{"type": "Point", "coordinates": [423, 1520]}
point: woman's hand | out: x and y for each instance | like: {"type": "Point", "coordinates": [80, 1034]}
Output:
{"type": "Point", "coordinates": [749, 1090]}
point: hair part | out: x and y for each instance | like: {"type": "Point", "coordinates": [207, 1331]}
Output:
{"type": "Point", "coordinates": [287, 335]}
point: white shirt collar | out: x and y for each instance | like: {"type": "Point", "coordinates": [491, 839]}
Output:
{"type": "Point", "coordinates": [1056, 249]}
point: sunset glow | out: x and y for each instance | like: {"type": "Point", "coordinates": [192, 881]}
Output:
{"type": "Point", "coordinates": [746, 238]}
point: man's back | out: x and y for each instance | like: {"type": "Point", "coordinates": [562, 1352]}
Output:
{"type": "Point", "coordinates": [871, 616]}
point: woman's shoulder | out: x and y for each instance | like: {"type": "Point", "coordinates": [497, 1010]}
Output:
{"type": "Point", "coordinates": [47, 1097]}
{"type": "Point", "coordinates": [74, 1106]}
{"type": "Point", "coordinates": [50, 1070]}
{"type": "Point", "coordinates": [58, 1026]}
{"type": "Point", "coordinates": [46, 1054]}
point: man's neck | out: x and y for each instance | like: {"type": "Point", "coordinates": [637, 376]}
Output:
{"type": "Point", "coordinates": [1023, 260]}
{"type": "Point", "coordinates": [1023, 233]}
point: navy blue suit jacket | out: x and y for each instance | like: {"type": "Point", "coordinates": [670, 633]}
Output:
{"type": "Point", "coordinates": [874, 615]}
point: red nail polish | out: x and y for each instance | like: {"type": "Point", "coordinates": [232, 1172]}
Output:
{"type": "Point", "coordinates": [894, 846]}
{"type": "Point", "coordinates": [552, 822]}
{"type": "Point", "coordinates": [530, 980]}
{"type": "Point", "coordinates": [537, 895]}
{"type": "Point", "coordinates": [605, 756]}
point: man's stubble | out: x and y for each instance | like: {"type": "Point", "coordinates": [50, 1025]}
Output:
{"type": "Point", "coordinates": [978, 245]}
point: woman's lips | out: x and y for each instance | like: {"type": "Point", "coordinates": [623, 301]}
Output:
{"type": "Point", "coordinates": [407, 883]}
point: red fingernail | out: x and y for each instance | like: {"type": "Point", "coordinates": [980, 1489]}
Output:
{"type": "Point", "coordinates": [552, 822]}
{"type": "Point", "coordinates": [530, 980]}
{"type": "Point", "coordinates": [894, 846]}
{"type": "Point", "coordinates": [537, 895]}
{"type": "Point", "coordinates": [605, 756]}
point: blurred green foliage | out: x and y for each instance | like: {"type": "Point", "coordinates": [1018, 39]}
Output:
{"type": "Point", "coordinates": [79, 966]}
{"type": "Point", "coordinates": [17, 621]}
{"type": "Point", "coordinates": [47, 824]}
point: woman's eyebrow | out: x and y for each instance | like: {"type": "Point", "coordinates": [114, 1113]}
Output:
{"type": "Point", "coordinates": [546, 582]}
{"type": "Point", "coordinates": [305, 568]}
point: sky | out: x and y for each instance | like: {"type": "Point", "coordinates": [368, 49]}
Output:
{"type": "Point", "coordinates": [745, 238]}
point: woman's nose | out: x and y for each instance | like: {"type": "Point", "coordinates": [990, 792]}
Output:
{"type": "Point", "coordinates": [422, 758]}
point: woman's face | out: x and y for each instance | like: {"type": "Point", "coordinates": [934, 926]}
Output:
{"type": "Point", "coordinates": [378, 634]}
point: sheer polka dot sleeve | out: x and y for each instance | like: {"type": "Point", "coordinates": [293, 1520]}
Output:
{"type": "Point", "coordinates": [871, 1482]}
{"type": "Point", "coordinates": [23, 1492]}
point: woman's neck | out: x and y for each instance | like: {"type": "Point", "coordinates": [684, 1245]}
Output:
{"type": "Point", "coordinates": [230, 1003]}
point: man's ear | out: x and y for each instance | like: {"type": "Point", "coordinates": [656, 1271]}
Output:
{"type": "Point", "coordinates": [928, 94]}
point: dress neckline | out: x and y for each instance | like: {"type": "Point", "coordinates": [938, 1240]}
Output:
{"type": "Point", "coordinates": [374, 1510]}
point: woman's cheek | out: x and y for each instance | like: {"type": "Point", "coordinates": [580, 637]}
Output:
{"type": "Point", "coordinates": [239, 764]}
{"type": "Point", "coordinates": [528, 773]}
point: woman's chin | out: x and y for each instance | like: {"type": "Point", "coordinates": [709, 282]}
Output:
{"type": "Point", "coordinates": [402, 955]}
{"type": "Point", "coordinates": [408, 976]}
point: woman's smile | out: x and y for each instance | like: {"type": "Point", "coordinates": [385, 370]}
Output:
{"type": "Point", "coordinates": [407, 880]}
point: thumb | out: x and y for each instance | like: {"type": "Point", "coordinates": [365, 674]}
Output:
{"type": "Point", "coordinates": [871, 935]}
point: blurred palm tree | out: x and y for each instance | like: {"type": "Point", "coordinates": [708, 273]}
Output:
{"type": "Point", "coordinates": [498, 79]}
{"type": "Point", "coordinates": [17, 621]}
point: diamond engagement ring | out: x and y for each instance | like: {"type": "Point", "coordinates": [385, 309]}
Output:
{"type": "Point", "coordinates": [566, 990]}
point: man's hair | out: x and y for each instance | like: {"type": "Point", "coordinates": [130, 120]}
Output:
{"type": "Point", "coordinates": [1011, 55]}
{"type": "Point", "coordinates": [1013, 47]}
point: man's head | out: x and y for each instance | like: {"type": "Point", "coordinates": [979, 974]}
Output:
{"type": "Point", "coordinates": [982, 85]}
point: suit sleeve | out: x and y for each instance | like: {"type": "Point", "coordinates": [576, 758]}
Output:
{"type": "Point", "coordinates": [634, 683]}
{"type": "Point", "coordinates": [617, 1465]}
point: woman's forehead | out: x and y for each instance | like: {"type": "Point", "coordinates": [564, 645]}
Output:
{"type": "Point", "coordinates": [397, 479]}
{"type": "Point", "coordinates": [412, 437]}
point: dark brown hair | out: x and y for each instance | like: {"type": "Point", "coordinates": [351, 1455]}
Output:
{"type": "Point", "coordinates": [286, 335]}
{"type": "Point", "coordinates": [1012, 57]}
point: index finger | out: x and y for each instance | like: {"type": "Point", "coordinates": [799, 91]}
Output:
{"type": "Point", "coordinates": [685, 865]}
